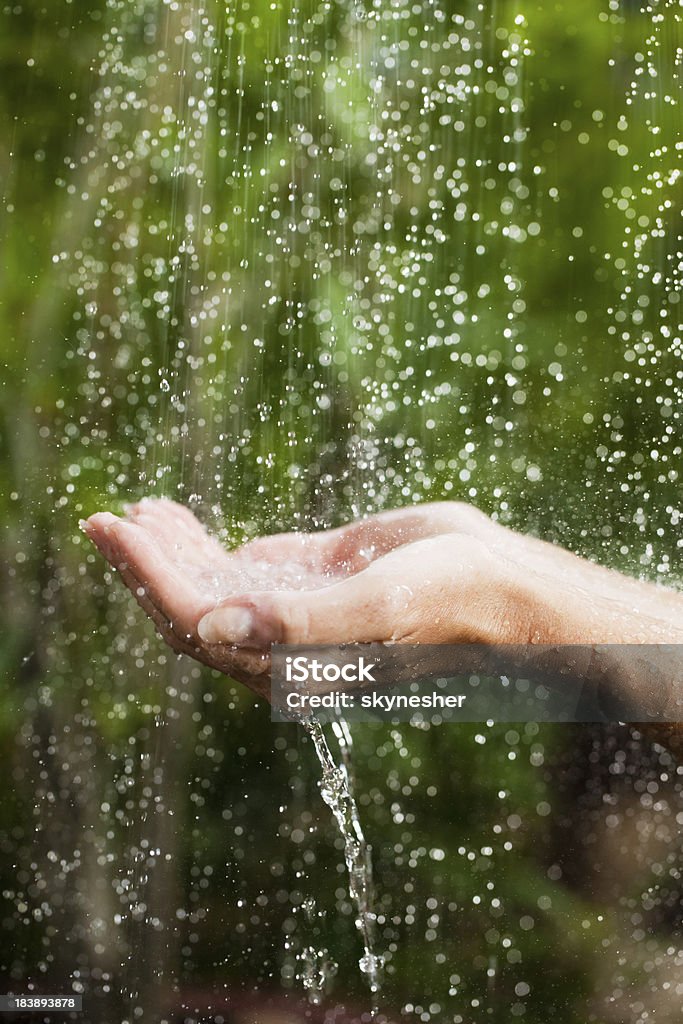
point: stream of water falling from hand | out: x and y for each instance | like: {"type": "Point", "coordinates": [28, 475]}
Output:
{"type": "Point", "coordinates": [337, 790]}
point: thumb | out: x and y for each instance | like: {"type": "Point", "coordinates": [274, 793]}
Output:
{"type": "Point", "coordinates": [355, 610]}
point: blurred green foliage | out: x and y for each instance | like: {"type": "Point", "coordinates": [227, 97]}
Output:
{"type": "Point", "coordinates": [201, 240]}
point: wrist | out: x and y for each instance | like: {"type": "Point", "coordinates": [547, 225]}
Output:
{"type": "Point", "coordinates": [557, 611]}
{"type": "Point", "coordinates": [528, 611]}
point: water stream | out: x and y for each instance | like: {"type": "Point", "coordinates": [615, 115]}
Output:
{"type": "Point", "coordinates": [336, 789]}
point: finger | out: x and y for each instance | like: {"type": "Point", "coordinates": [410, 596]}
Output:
{"type": "Point", "coordinates": [172, 512]}
{"type": "Point", "coordinates": [179, 643]}
{"type": "Point", "coordinates": [95, 525]}
{"type": "Point", "coordinates": [252, 668]}
{"type": "Point", "coordinates": [248, 667]}
{"type": "Point", "coordinates": [95, 529]}
{"type": "Point", "coordinates": [363, 542]}
{"type": "Point", "coordinates": [351, 548]}
{"type": "Point", "coordinates": [355, 544]}
{"type": "Point", "coordinates": [177, 531]}
{"type": "Point", "coordinates": [359, 609]}
{"type": "Point", "coordinates": [433, 591]}
{"type": "Point", "coordinates": [169, 589]}
{"type": "Point", "coordinates": [180, 512]}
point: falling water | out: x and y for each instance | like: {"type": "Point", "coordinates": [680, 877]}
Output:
{"type": "Point", "coordinates": [336, 788]}
{"type": "Point", "coordinates": [328, 355]}
{"type": "Point", "coordinates": [312, 260]}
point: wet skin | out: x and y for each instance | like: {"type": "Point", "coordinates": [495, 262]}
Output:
{"type": "Point", "coordinates": [432, 574]}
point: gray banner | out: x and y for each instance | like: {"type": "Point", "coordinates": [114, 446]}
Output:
{"type": "Point", "coordinates": [473, 683]}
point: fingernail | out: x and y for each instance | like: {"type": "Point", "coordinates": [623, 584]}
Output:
{"type": "Point", "coordinates": [83, 524]}
{"type": "Point", "coordinates": [226, 626]}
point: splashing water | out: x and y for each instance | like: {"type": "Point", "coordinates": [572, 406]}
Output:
{"type": "Point", "coordinates": [336, 789]}
{"type": "Point", "coordinates": [317, 967]}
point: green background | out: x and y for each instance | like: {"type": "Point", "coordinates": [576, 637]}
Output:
{"type": "Point", "coordinates": [291, 265]}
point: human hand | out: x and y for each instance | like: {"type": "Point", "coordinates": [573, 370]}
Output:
{"type": "Point", "coordinates": [438, 573]}
{"type": "Point", "coordinates": [417, 575]}
{"type": "Point", "coordinates": [177, 573]}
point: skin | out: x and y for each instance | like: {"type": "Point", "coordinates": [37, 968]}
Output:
{"type": "Point", "coordinates": [432, 574]}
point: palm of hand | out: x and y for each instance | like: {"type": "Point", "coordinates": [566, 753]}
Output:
{"type": "Point", "coordinates": [178, 573]}
{"type": "Point", "coordinates": [385, 578]}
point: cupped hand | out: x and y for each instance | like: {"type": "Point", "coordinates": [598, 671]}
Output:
{"type": "Point", "coordinates": [432, 574]}
{"type": "Point", "coordinates": [429, 574]}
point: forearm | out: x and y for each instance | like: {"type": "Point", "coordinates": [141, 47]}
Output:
{"type": "Point", "coordinates": [595, 609]}
{"type": "Point", "coordinates": [623, 637]}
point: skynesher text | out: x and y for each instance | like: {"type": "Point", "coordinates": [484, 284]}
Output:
{"type": "Point", "coordinates": [373, 701]}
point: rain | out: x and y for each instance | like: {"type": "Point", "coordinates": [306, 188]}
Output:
{"type": "Point", "coordinates": [292, 264]}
